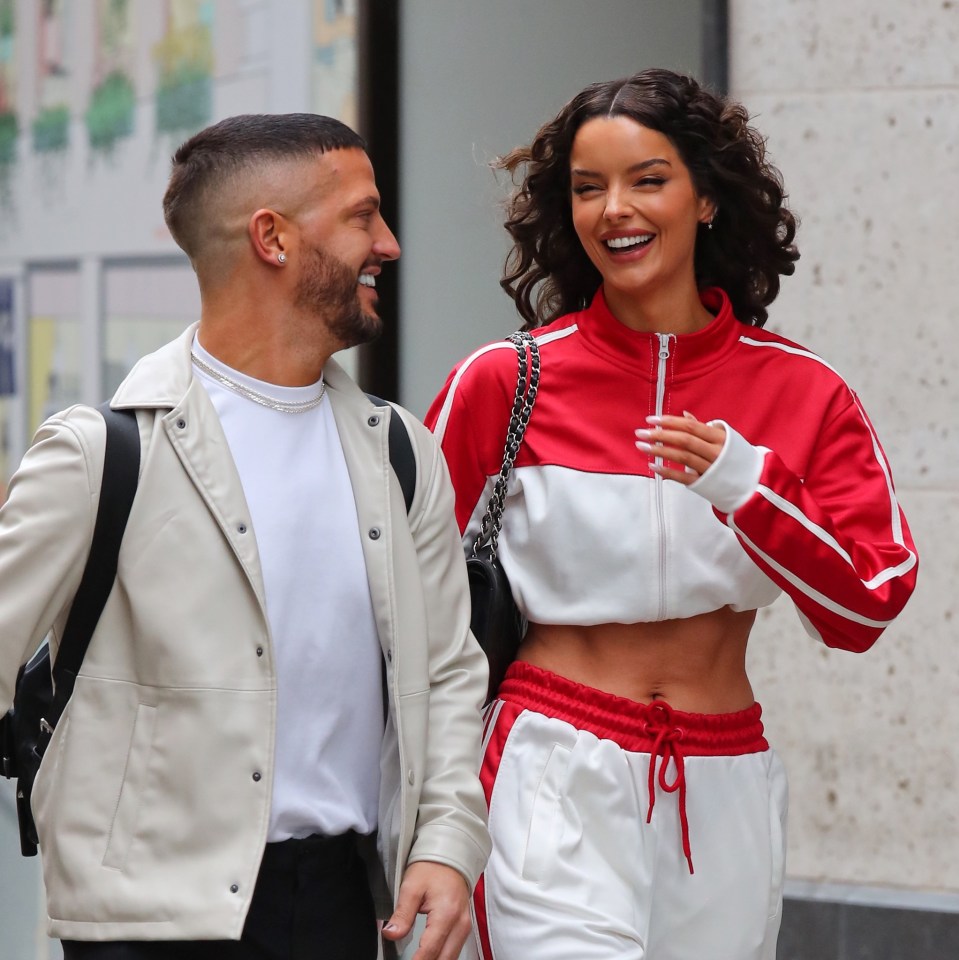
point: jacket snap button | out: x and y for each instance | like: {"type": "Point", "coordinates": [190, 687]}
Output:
{"type": "Point", "coordinates": [234, 888]}
{"type": "Point", "coordinates": [257, 776]}
{"type": "Point", "coordinates": [374, 533]}
{"type": "Point", "coordinates": [389, 655]}
{"type": "Point", "coordinates": [373, 421]}
{"type": "Point", "coordinates": [410, 778]}
{"type": "Point", "coordinates": [259, 651]}
{"type": "Point", "coordinates": [241, 528]}
{"type": "Point", "coordinates": [181, 424]}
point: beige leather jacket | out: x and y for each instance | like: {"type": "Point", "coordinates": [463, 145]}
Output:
{"type": "Point", "coordinates": [151, 821]}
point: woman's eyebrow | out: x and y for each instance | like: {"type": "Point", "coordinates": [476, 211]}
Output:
{"type": "Point", "coordinates": [635, 168]}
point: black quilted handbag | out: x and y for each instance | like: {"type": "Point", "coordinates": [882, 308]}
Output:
{"type": "Point", "coordinates": [495, 621]}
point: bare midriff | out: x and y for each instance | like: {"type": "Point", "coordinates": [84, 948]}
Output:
{"type": "Point", "coordinates": [697, 664]}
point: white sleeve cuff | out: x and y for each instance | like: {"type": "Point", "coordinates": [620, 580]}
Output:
{"type": "Point", "coordinates": [733, 477]}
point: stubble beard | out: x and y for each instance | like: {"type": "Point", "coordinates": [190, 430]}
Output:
{"type": "Point", "coordinates": [327, 290]}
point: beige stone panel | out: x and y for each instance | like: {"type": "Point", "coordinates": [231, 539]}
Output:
{"type": "Point", "coordinates": [792, 45]}
{"type": "Point", "coordinates": [869, 740]}
{"type": "Point", "coordinates": [875, 181]}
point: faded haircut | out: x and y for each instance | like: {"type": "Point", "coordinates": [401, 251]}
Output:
{"type": "Point", "coordinates": [214, 157]}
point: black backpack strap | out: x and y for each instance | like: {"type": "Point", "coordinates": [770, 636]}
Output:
{"type": "Point", "coordinates": [403, 462]}
{"type": "Point", "coordinates": [121, 468]}
{"type": "Point", "coordinates": [402, 459]}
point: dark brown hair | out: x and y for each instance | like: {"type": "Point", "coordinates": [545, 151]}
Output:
{"type": "Point", "coordinates": [208, 160]}
{"type": "Point", "coordinates": [751, 244]}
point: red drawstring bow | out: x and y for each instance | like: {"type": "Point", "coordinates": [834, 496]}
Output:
{"type": "Point", "coordinates": [667, 737]}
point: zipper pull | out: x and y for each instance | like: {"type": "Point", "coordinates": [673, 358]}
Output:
{"type": "Point", "coordinates": [664, 345]}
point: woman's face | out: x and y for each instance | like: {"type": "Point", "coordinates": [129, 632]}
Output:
{"type": "Point", "coordinates": [635, 210]}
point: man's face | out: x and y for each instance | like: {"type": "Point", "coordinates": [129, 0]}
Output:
{"type": "Point", "coordinates": [327, 287]}
{"type": "Point", "coordinates": [344, 242]}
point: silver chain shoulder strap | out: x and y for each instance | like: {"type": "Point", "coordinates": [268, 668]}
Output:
{"type": "Point", "coordinates": [527, 385]}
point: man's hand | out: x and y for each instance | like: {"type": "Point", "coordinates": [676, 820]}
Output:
{"type": "Point", "coordinates": [681, 440]}
{"type": "Point", "coordinates": [443, 895]}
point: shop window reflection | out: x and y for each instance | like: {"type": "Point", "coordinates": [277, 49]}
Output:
{"type": "Point", "coordinates": [54, 353]}
{"type": "Point", "coordinates": [145, 306]}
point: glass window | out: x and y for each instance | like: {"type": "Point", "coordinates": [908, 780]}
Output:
{"type": "Point", "coordinates": [7, 381]}
{"type": "Point", "coordinates": [54, 354]}
{"type": "Point", "coordinates": [145, 306]}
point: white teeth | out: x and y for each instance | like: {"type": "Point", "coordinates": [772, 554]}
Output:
{"type": "Point", "coordinates": [619, 243]}
{"type": "Point", "coordinates": [367, 279]}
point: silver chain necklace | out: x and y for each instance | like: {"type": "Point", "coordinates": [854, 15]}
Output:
{"type": "Point", "coordinates": [261, 398]}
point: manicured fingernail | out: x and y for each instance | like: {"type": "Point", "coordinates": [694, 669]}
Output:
{"type": "Point", "coordinates": [654, 419]}
{"type": "Point", "coordinates": [644, 434]}
{"type": "Point", "coordinates": [688, 415]}
{"type": "Point", "coordinates": [642, 445]}
{"type": "Point", "coordinates": [389, 926]}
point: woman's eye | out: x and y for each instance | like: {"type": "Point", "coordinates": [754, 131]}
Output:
{"type": "Point", "coordinates": [651, 182]}
{"type": "Point", "coordinates": [582, 188]}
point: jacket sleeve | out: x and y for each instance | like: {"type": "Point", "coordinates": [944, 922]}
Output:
{"type": "Point", "coordinates": [835, 539]}
{"type": "Point", "coordinates": [46, 525]}
{"type": "Point", "coordinates": [451, 821]}
{"type": "Point", "coordinates": [470, 417]}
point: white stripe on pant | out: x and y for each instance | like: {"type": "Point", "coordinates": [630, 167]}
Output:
{"type": "Point", "coordinates": [578, 874]}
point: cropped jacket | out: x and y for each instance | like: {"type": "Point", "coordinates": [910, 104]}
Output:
{"type": "Point", "coordinates": [801, 498]}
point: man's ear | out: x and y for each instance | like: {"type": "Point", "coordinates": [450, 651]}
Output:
{"type": "Point", "coordinates": [268, 234]}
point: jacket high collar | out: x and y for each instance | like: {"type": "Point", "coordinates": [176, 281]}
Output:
{"type": "Point", "coordinates": [694, 353]}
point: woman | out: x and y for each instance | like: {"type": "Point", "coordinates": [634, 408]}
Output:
{"type": "Point", "coordinates": [681, 467]}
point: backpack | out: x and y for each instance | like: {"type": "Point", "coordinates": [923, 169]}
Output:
{"type": "Point", "coordinates": [402, 459]}
{"type": "Point", "coordinates": [27, 727]}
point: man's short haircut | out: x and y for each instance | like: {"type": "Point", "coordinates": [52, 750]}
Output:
{"type": "Point", "coordinates": [216, 155]}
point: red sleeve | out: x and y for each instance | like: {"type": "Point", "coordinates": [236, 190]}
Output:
{"type": "Point", "coordinates": [835, 540]}
{"type": "Point", "coordinates": [470, 417]}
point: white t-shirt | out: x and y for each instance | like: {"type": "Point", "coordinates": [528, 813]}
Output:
{"type": "Point", "coordinates": [325, 646]}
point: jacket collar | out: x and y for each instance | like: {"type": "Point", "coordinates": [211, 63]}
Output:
{"type": "Point", "coordinates": [164, 381]}
{"type": "Point", "coordinates": [693, 353]}
{"type": "Point", "coordinates": [161, 379]}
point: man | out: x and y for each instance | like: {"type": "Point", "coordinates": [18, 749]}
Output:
{"type": "Point", "coordinates": [225, 759]}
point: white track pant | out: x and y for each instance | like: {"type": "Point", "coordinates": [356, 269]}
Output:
{"type": "Point", "coordinates": [577, 872]}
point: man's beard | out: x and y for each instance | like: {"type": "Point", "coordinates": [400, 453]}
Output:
{"type": "Point", "coordinates": [327, 289]}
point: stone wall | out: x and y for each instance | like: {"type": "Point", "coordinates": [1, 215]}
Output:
{"type": "Point", "coordinates": [860, 103]}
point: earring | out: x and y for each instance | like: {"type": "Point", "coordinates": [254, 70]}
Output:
{"type": "Point", "coordinates": [709, 226]}
{"type": "Point", "coordinates": [282, 256]}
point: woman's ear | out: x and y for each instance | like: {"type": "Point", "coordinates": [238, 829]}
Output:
{"type": "Point", "coordinates": [708, 210]}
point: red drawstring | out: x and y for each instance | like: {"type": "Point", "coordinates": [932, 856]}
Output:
{"type": "Point", "coordinates": [656, 728]}
{"type": "Point", "coordinates": [666, 745]}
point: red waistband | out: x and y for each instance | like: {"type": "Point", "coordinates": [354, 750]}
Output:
{"type": "Point", "coordinates": [669, 736]}
{"type": "Point", "coordinates": [634, 726]}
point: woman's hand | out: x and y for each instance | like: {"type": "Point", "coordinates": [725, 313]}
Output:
{"type": "Point", "coordinates": [681, 440]}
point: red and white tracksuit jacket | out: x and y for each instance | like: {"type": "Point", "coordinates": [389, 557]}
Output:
{"type": "Point", "coordinates": [801, 498]}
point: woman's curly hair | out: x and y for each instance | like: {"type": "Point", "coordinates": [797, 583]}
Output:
{"type": "Point", "coordinates": [547, 271]}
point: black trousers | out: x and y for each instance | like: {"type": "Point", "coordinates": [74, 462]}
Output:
{"type": "Point", "coordinates": [311, 902]}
